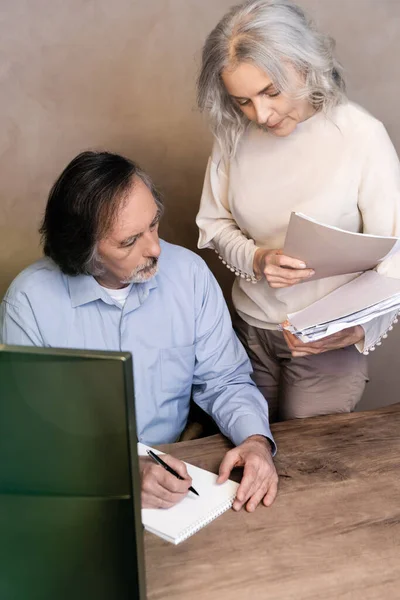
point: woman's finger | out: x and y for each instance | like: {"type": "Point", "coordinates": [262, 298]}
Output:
{"type": "Point", "coordinates": [287, 274]}
{"type": "Point", "coordinates": [282, 283]}
{"type": "Point", "coordinates": [281, 260]}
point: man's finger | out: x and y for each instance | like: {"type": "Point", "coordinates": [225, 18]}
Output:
{"type": "Point", "coordinates": [248, 483]}
{"type": "Point", "coordinates": [256, 497]}
{"type": "Point", "coordinates": [154, 495]}
{"type": "Point", "coordinates": [243, 496]}
{"type": "Point", "coordinates": [163, 484]}
{"type": "Point", "coordinates": [172, 483]}
{"type": "Point", "coordinates": [165, 494]}
{"type": "Point", "coordinates": [150, 501]}
{"type": "Point", "coordinates": [229, 461]}
{"type": "Point", "coordinates": [271, 494]}
{"type": "Point", "coordinates": [178, 465]}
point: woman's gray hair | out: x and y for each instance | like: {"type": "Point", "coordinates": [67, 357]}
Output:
{"type": "Point", "coordinates": [270, 34]}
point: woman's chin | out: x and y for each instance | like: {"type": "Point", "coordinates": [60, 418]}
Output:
{"type": "Point", "coordinates": [283, 129]}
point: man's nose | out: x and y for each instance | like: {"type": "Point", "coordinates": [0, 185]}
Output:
{"type": "Point", "coordinates": [152, 244]}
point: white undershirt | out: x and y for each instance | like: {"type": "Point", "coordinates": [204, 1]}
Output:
{"type": "Point", "coordinates": [119, 295]}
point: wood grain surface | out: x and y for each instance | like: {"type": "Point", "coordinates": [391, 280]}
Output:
{"type": "Point", "coordinates": [333, 532]}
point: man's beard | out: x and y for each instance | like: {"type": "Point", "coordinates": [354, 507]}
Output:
{"type": "Point", "coordinates": [143, 272]}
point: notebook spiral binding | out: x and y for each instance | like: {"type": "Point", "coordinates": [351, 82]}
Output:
{"type": "Point", "coordinates": [203, 522]}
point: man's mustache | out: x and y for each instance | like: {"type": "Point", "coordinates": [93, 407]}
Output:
{"type": "Point", "coordinates": [149, 265]}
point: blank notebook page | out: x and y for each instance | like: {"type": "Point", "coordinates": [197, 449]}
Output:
{"type": "Point", "coordinates": [193, 512]}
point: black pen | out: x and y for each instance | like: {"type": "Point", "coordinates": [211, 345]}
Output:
{"type": "Point", "coordinates": [168, 468]}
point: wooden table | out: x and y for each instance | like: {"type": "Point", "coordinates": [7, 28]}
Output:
{"type": "Point", "coordinates": [333, 532]}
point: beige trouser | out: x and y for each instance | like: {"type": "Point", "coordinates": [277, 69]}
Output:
{"type": "Point", "coordinates": [319, 384]}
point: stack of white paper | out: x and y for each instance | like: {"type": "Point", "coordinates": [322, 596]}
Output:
{"type": "Point", "coordinates": [367, 296]}
{"type": "Point", "coordinates": [332, 251]}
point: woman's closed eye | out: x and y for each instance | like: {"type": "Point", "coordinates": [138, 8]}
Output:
{"type": "Point", "coordinates": [269, 94]}
{"type": "Point", "coordinates": [272, 94]}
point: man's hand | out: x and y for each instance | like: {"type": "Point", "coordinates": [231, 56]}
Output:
{"type": "Point", "coordinates": [260, 480]}
{"type": "Point", "coordinates": [279, 270]}
{"type": "Point", "coordinates": [341, 339]}
{"type": "Point", "coordinates": [160, 489]}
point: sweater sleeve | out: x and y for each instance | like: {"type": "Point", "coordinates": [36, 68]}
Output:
{"type": "Point", "coordinates": [217, 226]}
{"type": "Point", "coordinates": [379, 204]}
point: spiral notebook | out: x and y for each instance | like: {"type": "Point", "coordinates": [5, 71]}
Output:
{"type": "Point", "coordinates": [181, 521]}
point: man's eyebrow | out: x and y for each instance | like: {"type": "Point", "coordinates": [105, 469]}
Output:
{"type": "Point", "coordinates": [156, 218]}
{"type": "Point", "coordinates": [258, 93]}
{"type": "Point", "coordinates": [129, 240]}
{"type": "Point", "coordinates": [134, 237]}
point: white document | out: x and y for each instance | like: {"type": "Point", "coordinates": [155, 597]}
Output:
{"type": "Point", "coordinates": [332, 251]}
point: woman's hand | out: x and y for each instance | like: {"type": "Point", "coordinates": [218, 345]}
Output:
{"type": "Point", "coordinates": [341, 339]}
{"type": "Point", "coordinates": [279, 270]}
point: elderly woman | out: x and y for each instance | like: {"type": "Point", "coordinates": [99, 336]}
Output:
{"type": "Point", "coordinates": [287, 139]}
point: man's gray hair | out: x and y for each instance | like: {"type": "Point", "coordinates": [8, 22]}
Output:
{"type": "Point", "coordinates": [270, 34]}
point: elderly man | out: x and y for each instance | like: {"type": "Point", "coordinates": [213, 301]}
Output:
{"type": "Point", "coordinates": [108, 283]}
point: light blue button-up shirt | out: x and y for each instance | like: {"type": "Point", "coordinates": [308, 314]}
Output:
{"type": "Point", "coordinates": [176, 326]}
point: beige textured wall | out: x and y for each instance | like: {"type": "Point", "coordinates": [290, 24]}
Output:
{"type": "Point", "coordinates": [77, 74]}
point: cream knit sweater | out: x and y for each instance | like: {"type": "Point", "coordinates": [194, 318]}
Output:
{"type": "Point", "coordinates": [340, 169]}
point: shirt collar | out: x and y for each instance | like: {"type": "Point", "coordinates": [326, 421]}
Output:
{"type": "Point", "coordinates": [84, 289]}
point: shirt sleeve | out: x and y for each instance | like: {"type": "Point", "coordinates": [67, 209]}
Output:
{"type": "Point", "coordinates": [379, 204]}
{"type": "Point", "coordinates": [218, 229]}
{"type": "Point", "coordinates": [222, 384]}
{"type": "Point", "coordinates": [18, 325]}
